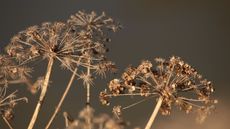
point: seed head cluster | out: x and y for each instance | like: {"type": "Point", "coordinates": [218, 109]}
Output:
{"type": "Point", "coordinates": [174, 80]}
{"type": "Point", "coordinates": [78, 42]}
{"type": "Point", "coordinates": [94, 30]}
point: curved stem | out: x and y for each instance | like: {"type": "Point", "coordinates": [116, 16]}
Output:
{"type": "Point", "coordinates": [62, 99]}
{"type": "Point", "coordinates": [42, 95]}
{"type": "Point", "coordinates": [154, 114]}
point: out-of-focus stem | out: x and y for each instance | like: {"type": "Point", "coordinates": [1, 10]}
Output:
{"type": "Point", "coordinates": [7, 122]}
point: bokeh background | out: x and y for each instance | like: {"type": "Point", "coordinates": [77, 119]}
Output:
{"type": "Point", "coordinates": [196, 30]}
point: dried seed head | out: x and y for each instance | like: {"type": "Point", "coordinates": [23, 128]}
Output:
{"type": "Point", "coordinates": [145, 66]}
{"type": "Point", "coordinates": [92, 31]}
{"type": "Point", "coordinates": [87, 79]}
{"type": "Point", "coordinates": [115, 87]}
{"type": "Point", "coordinates": [49, 40]}
{"type": "Point", "coordinates": [104, 98]}
{"type": "Point", "coordinates": [145, 90]}
{"type": "Point", "coordinates": [92, 22]}
{"type": "Point", "coordinates": [104, 66]}
{"type": "Point", "coordinates": [174, 80]}
{"type": "Point", "coordinates": [117, 111]}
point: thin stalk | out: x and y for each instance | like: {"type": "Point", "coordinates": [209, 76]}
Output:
{"type": "Point", "coordinates": [68, 120]}
{"type": "Point", "coordinates": [42, 95]}
{"type": "Point", "coordinates": [154, 114]}
{"type": "Point", "coordinates": [88, 85]}
{"type": "Point", "coordinates": [88, 95]}
{"type": "Point", "coordinates": [65, 114]}
{"type": "Point", "coordinates": [7, 122]}
{"type": "Point", "coordinates": [62, 99]}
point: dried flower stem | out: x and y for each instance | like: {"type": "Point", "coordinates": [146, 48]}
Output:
{"type": "Point", "coordinates": [62, 99]}
{"type": "Point", "coordinates": [13, 82]}
{"type": "Point", "coordinates": [7, 122]}
{"type": "Point", "coordinates": [154, 114]}
{"type": "Point", "coordinates": [43, 94]}
{"type": "Point", "coordinates": [88, 85]}
{"type": "Point", "coordinates": [68, 119]}
{"type": "Point", "coordinates": [88, 94]}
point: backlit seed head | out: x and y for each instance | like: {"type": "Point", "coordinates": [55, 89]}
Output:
{"type": "Point", "coordinates": [104, 98]}
{"type": "Point", "coordinates": [117, 111]}
{"type": "Point", "coordinates": [177, 82]}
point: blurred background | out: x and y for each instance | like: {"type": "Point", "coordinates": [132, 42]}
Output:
{"type": "Point", "coordinates": [196, 30]}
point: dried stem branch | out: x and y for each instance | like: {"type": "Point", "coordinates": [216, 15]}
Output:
{"type": "Point", "coordinates": [43, 94]}
{"type": "Point", "coordinates": [154, 114]}
{"type": "Point", "coordinates": [88, 94]}
{"type": "Point", "coordinates": [88, 86]}
{"type": "Point", "coordinates": [65, 114]}
{"type": "Point", "coordinates": [62, 99]}
{"type": "Point", "coordinates": [7, 122]}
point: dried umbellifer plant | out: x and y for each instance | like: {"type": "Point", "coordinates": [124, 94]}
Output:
{"type": "Point", "coordinates": [79, 42]}
{"type": "Point", "coordinates": [91, 31]}
{"type": "Point", "coordinates": [10, 73]}
{"type": "Point", "coordinates": [51, 41]}
{"type": "Point", "coordinates": [172, 82]}
{"type": "Point", "coordinates": [93, 27]}
{"type": "Point", "coordinates": [102, 121]}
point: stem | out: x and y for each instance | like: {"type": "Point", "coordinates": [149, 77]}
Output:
{"type": "Point", "coordinates": [88, 96]}
{"type": "Point", "coordinates": [42, 95]}
{"type": "Point", "coordinates": [7, 122]}
{"type": "Point", "coordinates": [154, 114]}
{"type": "Point", "coordinates": [62, 99]}
{"type": "Point", "coordinates": [65, 114]}
{"type": "Point", "coordinates": [134, 94]}
{"type": "Point", "coordinates": [154, 79]}
{"type": "Point", "coordinates": [88, 88]}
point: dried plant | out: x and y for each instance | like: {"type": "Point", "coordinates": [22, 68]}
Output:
{"type": "Point", "coordinates": [52, 41]}
{"type": "Point", "coordinates": [79, 44]}
{"type": "Point", "coordinates": [173, 82]}
{"type": "Point", "coordinates": [102, 121]}
{"type": "Point", "coordinates": [12, 73]}
{"type": "Point", "coordinates": [8, 103]}
{"type": "Point", "coordinates": [91, 30]}
{"type": "Point", "coordinates": [93, 27]}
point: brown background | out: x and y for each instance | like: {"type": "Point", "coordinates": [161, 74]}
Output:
{"type": "Point", "coordinates": [198, 31]}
